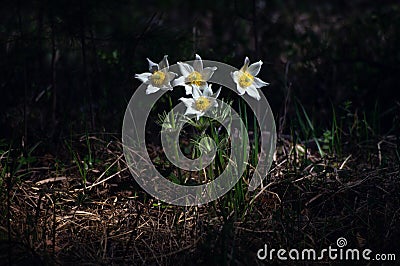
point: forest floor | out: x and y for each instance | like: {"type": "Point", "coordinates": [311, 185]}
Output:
{"type": "Point", "coordinates": [49, 217]}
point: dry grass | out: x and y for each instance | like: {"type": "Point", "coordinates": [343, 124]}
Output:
{"type": "Point", "coordinates": [308, 201]}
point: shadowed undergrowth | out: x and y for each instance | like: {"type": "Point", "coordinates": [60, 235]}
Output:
{"type": "Point", "coordinates": [48, 216]}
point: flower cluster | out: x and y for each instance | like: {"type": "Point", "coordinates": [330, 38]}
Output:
{"type": "Point", "coordinates": [195, 80]}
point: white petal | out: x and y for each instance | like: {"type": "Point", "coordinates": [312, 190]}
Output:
{"type": "Point", "coordinates": [217, 93]}
{"type": "Point", "coordinates": [246, 64]}
{"type": "Point", "coordinates": [198, 115]}
{"type": "Point", "coordinates": [208, 91]}
{"type": "Point", "coordinates": [187, 101]}
{"type": "Point", "coordinates": [203, 87]}
{"type": "Point", "coordinates": [254, 69]}
{"type": "Point", "coordinates": [188, 90]}
{"type": "Point", "coordinates": [191, 111]}
{"type": "Point", "coordinates": [179, 81]}
{"type": "Point", "coordinates": [152, 66]}
{"type": "Point", "coordinates": [208, 72]}
{"type": "Point", "coordinates": [167, 86]}
{"type": "Point", "coordinates": [215, 104]}
{"type": "Point", "coordinates": [196, 92]}
{"type": "Point", "coordinates": [164, 62]}
{"type": "Point", "coordinates": [240, 90]}
{"type": "Point", "coordinates": [151, 89]}
{"type": "Point", "coordinates": [144, 77]}
{"type": "Point", "coordinates": [171, 76]}
{"type": "Point", "coordinates": [253, 92]}
{"type": "Point", "coordinates": [198, 64]}
{"type": "Point", "coordinates": [235, 76]}
{"type": "Point", "coordinates": [258, 83]}
{"type": "Point", "coordinates": [185, 69]}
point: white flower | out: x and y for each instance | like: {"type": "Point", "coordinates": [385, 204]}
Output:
{"type": "Point", "coordinates": [246, 80]}
{"type": "Point", "coordinates": [194, 76]}
{"type": "Point", "coordinates": [159, 78]}
{"type": "Point", "coordinates": [201, 101]}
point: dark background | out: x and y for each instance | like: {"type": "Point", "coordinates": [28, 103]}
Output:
{"type": "Point", "coordinates": [68, 66]}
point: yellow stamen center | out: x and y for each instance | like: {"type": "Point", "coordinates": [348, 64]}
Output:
{"type": "Point", "coordinates": [202, 103]}
{"type": "Point", "coordinates": [195, 78]}
{"type": "Point", "coordinates": [158, 78]}
{"type": "Point", "coordinates": [245, 79]}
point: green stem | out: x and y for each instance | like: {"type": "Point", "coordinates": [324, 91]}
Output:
{"type": "Point", "coordinates": [172, 119]}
